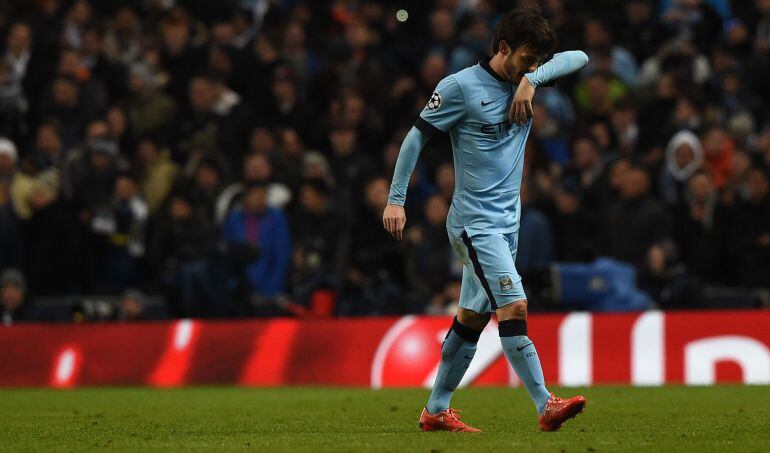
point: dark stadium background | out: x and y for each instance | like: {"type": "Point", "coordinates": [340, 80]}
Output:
{"type": "Point", "coordinates": [134, 129]}
{"type": "Point", "coordinates": [191, 195]}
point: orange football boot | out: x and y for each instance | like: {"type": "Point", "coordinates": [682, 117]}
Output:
{"type": "Point", "coordinates": [446, 420]}
{"type": "Point", "coordinates": [557, 411]}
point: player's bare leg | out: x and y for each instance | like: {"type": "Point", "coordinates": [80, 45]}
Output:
{"type": "Point", "coordinates": [521, 353]}
{"type": "Point", "coordinates": [456, 354]}
{"type": "Point", "coordinates": [470, 318]}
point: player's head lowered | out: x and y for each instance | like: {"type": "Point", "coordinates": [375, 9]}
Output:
{"type": "Point", "coordinates": [524, 39]}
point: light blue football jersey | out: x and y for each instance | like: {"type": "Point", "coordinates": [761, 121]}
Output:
{"type": "Point", "coordinates": [472, 106]}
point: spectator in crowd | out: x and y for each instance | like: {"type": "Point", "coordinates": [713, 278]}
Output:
{"type": "Point", "coordinates": [684, 156]}
{"type": "Point", "coordinates": [15, 80]}
{"type": "Point", "coordinates": [349, 165]}
{"type": "Point", "coordinates": [638, 29]}
{"type": "Point", "coordinates": [636, 221]}
{"type": "Point", "coordinates": [157, 172]}
{"type": "Point", "coordinates": [599, 42]}
{"type": "Point", "coordinates": [124, 235]}
{"type": "Point", "coordinates": [667, 280]}
{"type": "Point", "coordinates": [13, 292]}
{"type": "Point", "coordinates": [288, 159]}
{"type": "Point", "coordinates": [287, 110]}
{"type": "Point", "coordinates": [700, 227]}
{"type": "Point", "coordinates": [52, 255]}
{"type": "Point", "coordinates": [131, 305]}
{"type": "Point", "coordinates": [266, 228]}
{"type": "Point", "coordinates": [49, 150]}
{"type": "Point", "coordinates": [91, 175]}
{"type": "Point", "coordinates": [749, 237]}
{"type": "Point", "coordinates": [535, 241]}
{"type": "Point", "coordinates": [64, 106]}
{"type": "Point", "coordinates": [11, 251]}
{"type": "Point", "coordinates": [257, 169]}
{"type": "Point", "coordinates": [374, 277]}
{"type": "Point", "coordinates": [8, 163]}
{"type": "Point", "coordinates": [574, 227]}
{"type": "Point", "coordinates": [183, 247]}
{"type": "Point", "coordinates": [198, 128]}
{"type": "Point", "coordinates": [589, 168]}
{"type": "Point", "coordinates": [150, 111]}
{"type": "Point", "coordinates": [319, 240]}
{"type": "Point", "coordinates": [208, 181]}
{"type": "Point", "coordinates": [718, 150]}
{"type": "Point", "coordinates": [234, 124]}
{"type": "Point", "coordinates": [429, 258]}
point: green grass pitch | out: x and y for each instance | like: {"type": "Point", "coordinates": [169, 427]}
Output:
{"type": "Point", "coordinates": [675, 419]}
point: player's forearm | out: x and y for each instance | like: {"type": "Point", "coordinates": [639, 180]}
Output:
{"type": "Point", "coordinates": [407, 159]}
{"type": "Point", "coordinates": [560, 65]}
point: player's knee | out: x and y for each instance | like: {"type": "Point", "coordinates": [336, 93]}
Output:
{"type": "Point", "coordinates": [516, 310]}
{"type": "Point", "coordinates": [470, 318]}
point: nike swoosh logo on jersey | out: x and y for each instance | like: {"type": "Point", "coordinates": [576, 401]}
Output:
{"type": "Point", "coordinates": [486, 103]}
{"type": "Point", "coordinates": [521, 348]}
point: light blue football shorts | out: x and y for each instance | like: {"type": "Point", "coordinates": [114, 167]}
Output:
{"type": "Point", "coordinates": [490, 278]}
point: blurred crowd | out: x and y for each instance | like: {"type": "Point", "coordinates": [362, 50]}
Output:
{"type": "Point", "coordinates": [235, 156]}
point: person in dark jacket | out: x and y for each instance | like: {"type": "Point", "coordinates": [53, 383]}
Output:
{"type": "Point", "coordinates": [375, 275]}
{"type": "Point", "coordinates": [318, 241]}
{"type": "Point", "coordinates": [182, 249]}
{"type": "Point", "coordinates": [53, 253]}
{"type": "Point", "coordinates": [749, 235]}
{"type": "Point", "coordinates": [636, 221]}
{"type": "Point", "coordinates": [698, 228]}
{"type": "Point", "coordinates": [429, 259]}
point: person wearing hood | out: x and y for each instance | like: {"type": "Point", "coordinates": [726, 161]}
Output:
{"type": "Point", "coordinates": [684, 157]}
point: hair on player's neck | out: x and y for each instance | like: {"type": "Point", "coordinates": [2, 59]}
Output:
{"type": "Point", "coordinates": [496, 63]}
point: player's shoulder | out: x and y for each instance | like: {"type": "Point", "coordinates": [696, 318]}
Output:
{"type": "Point", "coordinates": [465, 77]}
{"type": "Point", "coordinates": [459, 82]}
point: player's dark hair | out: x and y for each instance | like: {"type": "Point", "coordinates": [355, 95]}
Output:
{"type": "Point", "coordinates": [525, 27]}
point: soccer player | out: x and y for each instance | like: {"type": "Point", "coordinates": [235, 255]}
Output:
{"type": "Point", "coordinates": [487, 110]}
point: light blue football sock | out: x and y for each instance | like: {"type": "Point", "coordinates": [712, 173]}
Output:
{"type": "Point", "coordinates": [522, 356]}
{"type": "Point", "coordinates": [456, 354]}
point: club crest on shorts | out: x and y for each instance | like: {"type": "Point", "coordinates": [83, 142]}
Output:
{"type": "Point", "coordinates": [435, 101]}
{"type": "Point", "coordinates": [506, 284]}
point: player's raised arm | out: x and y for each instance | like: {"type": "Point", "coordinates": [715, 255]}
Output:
{"type": "Point", "coordinates": [443, 110]}
{"type": "Point", "coordinates": [562, 64]}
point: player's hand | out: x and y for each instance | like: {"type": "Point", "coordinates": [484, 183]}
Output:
{"type": "Point", "coordinates": [394, 219]}
{"type": "Point", "coordinates": [521, 107]}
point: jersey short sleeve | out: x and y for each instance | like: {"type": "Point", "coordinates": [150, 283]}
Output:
{"type": "Point", "coordinates": [445, 107]}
